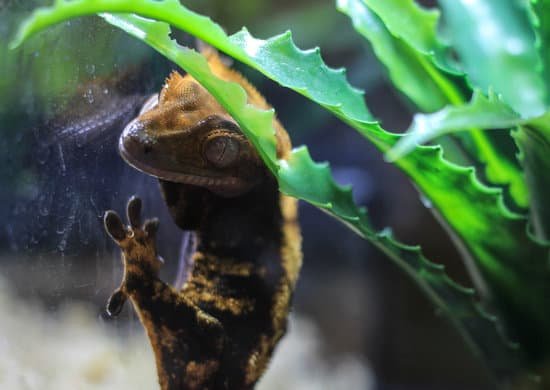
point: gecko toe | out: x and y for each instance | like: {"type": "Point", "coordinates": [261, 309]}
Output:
{"type": "Point", "coordinates": [116, 303]}
{"type": "Point", "coordinates": [133, 211]}
{"type": "Point", "coordinates": [151, 226]}
{"type": "Point", "coordinates": [114, 226]}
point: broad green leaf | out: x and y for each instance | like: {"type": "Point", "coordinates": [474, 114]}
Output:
{"type": "Point", "coordinates": [405, 38]}
{"type": "Point", "coordinates": [304, 179]}
{"type": "Point", "coordinates": [483, 112]}
{"type": "Point", "coordinates": [492, 113]}
{"type": "Point", "coordinates": [410, 71]}
{"type": "Point", "coordinates": [489, 233]}
{"type": "Point", "coordinates": [426, 83]}
{"type": "Point", "coordinates": [496, 42]}
{"type": "Point", "coordinates": [416, 26]}
{"type": "Point", "coordinates": [303, 71]}
{"type": "Point", "coordinates": [532, 138]}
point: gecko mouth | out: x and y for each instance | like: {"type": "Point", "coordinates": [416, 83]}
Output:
{"type": "Point", "coordinates": [225, 185]}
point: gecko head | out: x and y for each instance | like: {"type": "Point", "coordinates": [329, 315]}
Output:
{"type": "Point", "coordinates": [185, 136]}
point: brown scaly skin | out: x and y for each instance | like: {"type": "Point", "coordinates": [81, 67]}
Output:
{"type": "Point", "coordinates": [220, 330]}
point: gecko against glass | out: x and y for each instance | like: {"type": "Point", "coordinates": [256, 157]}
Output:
{"type": "Point", "coordinates": [219, 331]}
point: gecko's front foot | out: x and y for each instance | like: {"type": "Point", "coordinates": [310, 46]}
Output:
{"type": "Point", "coordinates": [138, 245]}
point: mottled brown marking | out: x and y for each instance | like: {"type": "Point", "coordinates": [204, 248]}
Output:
{"type": "Point", "coordinates": [196, 371]}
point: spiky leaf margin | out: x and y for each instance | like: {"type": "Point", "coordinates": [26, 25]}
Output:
{"type": "Point", "coordinates": [532, 137]}
{"type": "Point", "coordinates": [416, 26]}
{"type": "Point", "coordinates": [414, 68]}
{"type": "Point", "coordinates": [487, 112]}
{"type": "Point", "coordinates": [410, 71]}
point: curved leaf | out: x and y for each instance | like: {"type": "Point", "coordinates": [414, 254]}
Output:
{"type": "Point", "coordinates": [498, 168]}
{"type": "Point", "coordinates": [405, 38]}
{"type": "Point", "coordinates": [303, 71]}
{"type": "Point", "coordinates": [302, 178]}
{"type": "Point", "coordinates": [427, 84]}
{"type": "Point", "coordinates": [416, 26]}
{"type": "Point", "coordinates": [496, 42]}
{"type": "Point", "coordinates": [410, 71]}
{"type": "Point", "coordinates": [482, 112]}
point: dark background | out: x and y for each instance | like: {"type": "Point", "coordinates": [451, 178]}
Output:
{"type": "Point", "coordinates": [66, 95]}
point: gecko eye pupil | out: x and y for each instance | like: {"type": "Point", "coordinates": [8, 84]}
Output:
{"type": "Point", "coordinates": [221, 151]}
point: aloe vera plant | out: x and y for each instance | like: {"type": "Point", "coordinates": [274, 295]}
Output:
{"type": "Point", "coordinates": [485, 80]}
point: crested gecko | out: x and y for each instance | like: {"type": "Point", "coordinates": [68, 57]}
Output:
{"type": "Point", "coordinates": [220, 329]}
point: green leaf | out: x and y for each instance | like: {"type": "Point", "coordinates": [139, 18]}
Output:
{"type": "Point", "coordinates": [302, 71]}
{"type": "Point", "coordinates": [493, 236]}
{"type": "Point", "coordinates": [429, 85]}
{"type": "Point", "coordinates": [411, 71]}
{"type": "Point", "coordinates": [416, 26]}
{"type": "Point", "coordinates": [496, 42]}
{"type": "Point", "coordinates": [488, 113]}
{"type": "Point", "coordinates": [483, 112]}
{"type": "Point", "coordinates": [499, 170]}
{"type": "Point", "coordinates": [302, 178]}
{"type": "Point", "coordinates": [404, 37]}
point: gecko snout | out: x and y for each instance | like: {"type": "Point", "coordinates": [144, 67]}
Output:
{"type": "Point", "coordinates": [135, 140]}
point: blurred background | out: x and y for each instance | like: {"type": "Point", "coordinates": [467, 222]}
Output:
{"type": "Point", "coordinates": [66, 94]}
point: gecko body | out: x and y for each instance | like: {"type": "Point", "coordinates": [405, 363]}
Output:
{"type": "Point", "coordinates": [220, 329]}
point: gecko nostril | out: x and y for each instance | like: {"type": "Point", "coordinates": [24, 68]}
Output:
{"type": "Point", "coordinates": [136, 140]}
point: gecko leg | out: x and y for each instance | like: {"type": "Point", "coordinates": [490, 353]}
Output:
{"type": "Point", "coordinates": [187, 342]}
{"type": "Point", "coordinates": [132, 238]}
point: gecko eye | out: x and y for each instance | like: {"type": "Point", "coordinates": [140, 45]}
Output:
{"type": "Point", "coordinates": [222, 151]}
